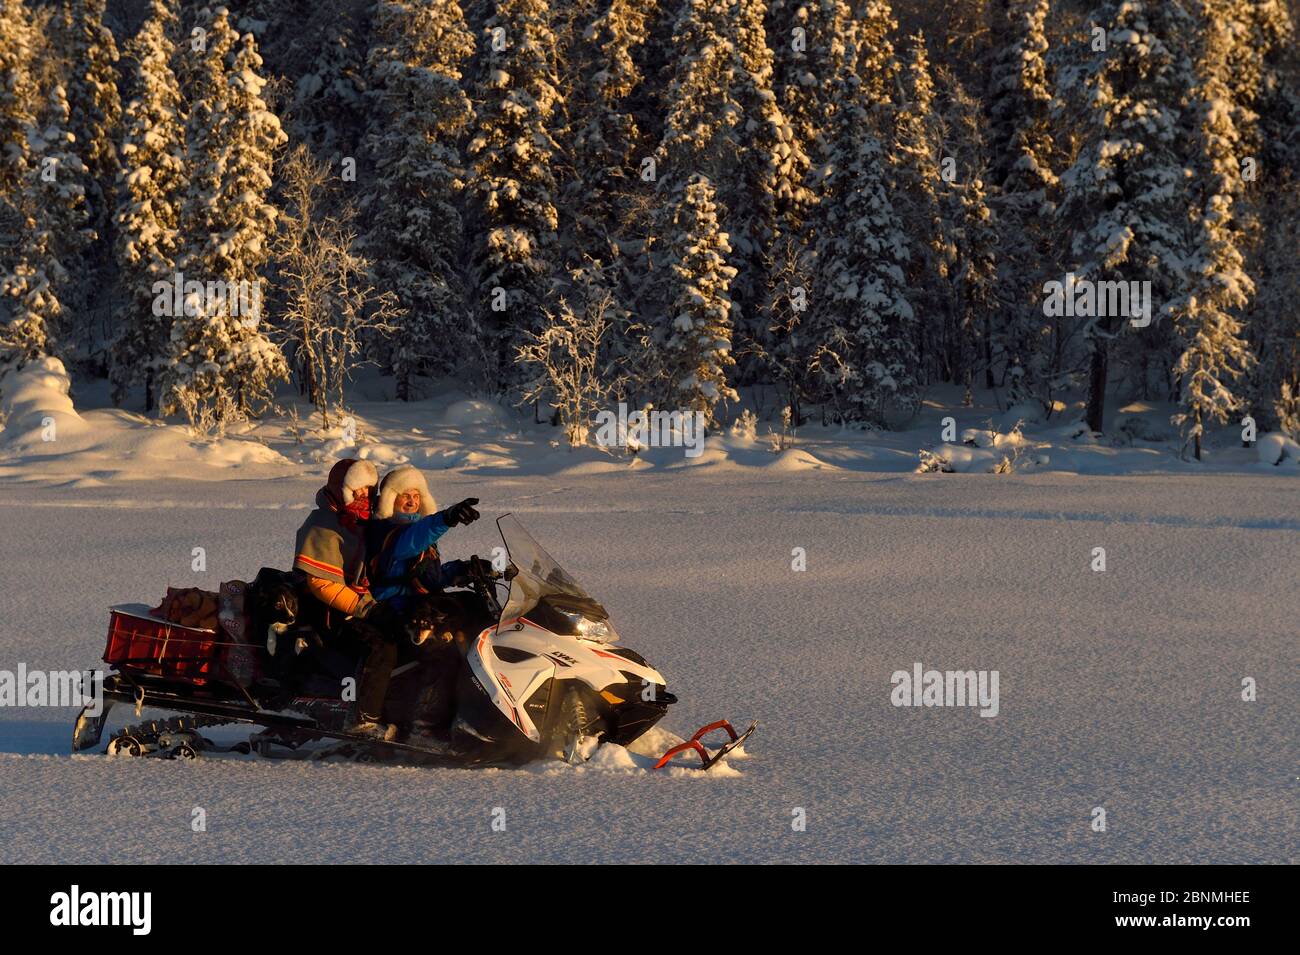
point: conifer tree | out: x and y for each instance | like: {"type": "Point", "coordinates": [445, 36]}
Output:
{"type": "Point", "coordinates": [151, 185]}
{"type": "Point", "coordinates": [415, 63]}
{"type": "Point", "coordinates": [861, 320]}
{"type": "Point", "coordinates": [917, 184]}
{"type": "Point", "coordinates": [511, 151]}
{"type": "Point", "coordinates": [1216, 286]}
{"type": "Point", "coordinates": [1124, 196]}
{"type": "Point", "coordinates": [49, 210]}
{"type": "Point", "coordinates": [696, 337]}
{"type": "Point", "coordinates": [223, 365]}
{"type": "Point", "coordinates": [94, 105]}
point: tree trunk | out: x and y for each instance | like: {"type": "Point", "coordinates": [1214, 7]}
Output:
{"type": "Point", "coordinates": [1097, 384]}
{"type": "Point", "coordinates": [988, 353]}
{"type": "Point", "coordinates": [313, 388]}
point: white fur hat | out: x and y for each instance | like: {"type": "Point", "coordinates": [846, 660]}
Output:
{"type": "Point", "coordinates": [399, 479]}
{"type": "Point", "coordinates": [349, 475]}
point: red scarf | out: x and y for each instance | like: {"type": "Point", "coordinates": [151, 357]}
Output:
{"type": "Point", "coordinates": [359, 509]}
{"type": "Point", "coordinates": [350, 515]}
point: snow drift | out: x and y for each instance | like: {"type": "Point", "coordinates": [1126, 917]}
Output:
{"type": "Point", "coordinates": [44, 436]}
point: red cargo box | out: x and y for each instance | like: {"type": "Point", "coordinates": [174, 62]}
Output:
{"type": "Point", "coordinates": [146, 644]}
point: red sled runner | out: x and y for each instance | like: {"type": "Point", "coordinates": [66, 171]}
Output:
{"type": "Point", "coordinates": [695, 745]}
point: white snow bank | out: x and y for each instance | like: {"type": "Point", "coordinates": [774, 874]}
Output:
{"type": "Point", "coordinates": [965, 458]}
{"type": "Point", "coordinates": [43, 436]}
{"type": "Point", "coordinates": [472, 413]}
{"type": "Point", "coordinates": [1277, 449]}
{"type": "Point", "coordinates": [35, 405]}
{"type": "Point", "coordinates": [796, 459]}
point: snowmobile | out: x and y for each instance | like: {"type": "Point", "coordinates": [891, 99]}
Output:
{"type": "Point", "coordinates": [537, 674]}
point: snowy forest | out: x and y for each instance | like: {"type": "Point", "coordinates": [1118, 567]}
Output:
{"type": "Point", "coordinates": [567, 204]}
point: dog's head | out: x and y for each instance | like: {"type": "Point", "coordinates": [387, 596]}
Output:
{"type": "Point", "coordinates": [278, 603]}
{"type": "Point", "coordinates": [431, 618]}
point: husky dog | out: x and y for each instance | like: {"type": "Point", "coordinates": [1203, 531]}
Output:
{"type": "Point", "coordinates": [434, 618]}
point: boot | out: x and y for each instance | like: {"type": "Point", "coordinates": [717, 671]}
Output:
{"type": "Point", "coordinates": [371, 728]}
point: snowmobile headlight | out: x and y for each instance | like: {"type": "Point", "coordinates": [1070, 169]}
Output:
{"type": "Point", "coordinates": [595, 629]}
{"type": "Point", "coordinates": [591, 629]}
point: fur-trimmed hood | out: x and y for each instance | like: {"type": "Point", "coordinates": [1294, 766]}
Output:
{"type": "Point", "coordinates": [404, 478]}
{"type": "Point", "coordinates": [347, 476]}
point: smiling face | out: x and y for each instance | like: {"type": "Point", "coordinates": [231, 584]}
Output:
{"type": "Point", "coordinates": [408, 502]}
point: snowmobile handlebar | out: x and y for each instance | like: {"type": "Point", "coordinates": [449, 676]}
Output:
{"type": "Point", "coordinates": [482, 575]}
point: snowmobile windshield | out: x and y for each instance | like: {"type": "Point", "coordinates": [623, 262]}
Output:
{"type": "Point", "coordinates": [540, 584]}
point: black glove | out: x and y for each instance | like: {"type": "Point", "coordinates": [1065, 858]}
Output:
{"type": "Point", "coordinates": [462, 513]}
{"type": "Point", "coordinates": [375, 615]}
{"type": "Point", "coordinates": [464, 576]}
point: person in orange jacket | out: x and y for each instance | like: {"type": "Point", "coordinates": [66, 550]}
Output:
{"type": "Point", "coordinates": [330, 552]}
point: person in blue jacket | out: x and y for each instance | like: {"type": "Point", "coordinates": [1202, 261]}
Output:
{"type": "Point", "coordinates": [404, 566]}
{"type": "Point", "coordinates": [402, 539]}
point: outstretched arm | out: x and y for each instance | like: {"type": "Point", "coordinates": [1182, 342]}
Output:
{"type": "Point", "coordinates": [418, 537]}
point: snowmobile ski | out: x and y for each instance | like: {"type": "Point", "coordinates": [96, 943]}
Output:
{"type": "Point", "coordinates": [364, 749]}
{"type": "Point", "coordinates": [695, 745]}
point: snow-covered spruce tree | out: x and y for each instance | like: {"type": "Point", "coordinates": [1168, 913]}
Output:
{"type": "Point", "coordinates": [18, 97]}
{"type": "Point", "coordinates": [222, 364]}
{"type": "Point", "coordinates": [808, 62]}
{"type": "Point", "coordinates": [511, 152]}
{"type": "Point", "coordinates": [916, 184]}
{"type": "Point", "coordinates": [1019, 106]}
{"type": "Point", "coordinates": [418, 49]}
{"type": "Point", "coordinates": [328, 110]}
{"type": "Point", "coordinates": [861, 320]}
{"type": "Point", "coordinates": [1262, 37]}
{"type": "Point", "coordinates": [775, 163]}
{"type": "Point", "coordinates": [606, 134]}
{"type": "Point", "coordinates": [49, 211]}
{"type": "Point", "coordinates": [766, 196]}
{"type": "Point", "coordinates": [1274, 320]}
{"type": "Point", "coordinates": [1124, 198]}
{"type": "Point", "coordinates": [700, 134]}
{"type": "Point", "coordinates": [971, 225]}
{"type": "Point", "coordinates": [151, 186]}
{"type": "Point", "coordinates": [604, 202]}
{"type": "Point", "coordinates": [1269, 209]}
{"type": "Point", "coordinates": [695, 337]}
{"type": "Point", "coordinates": [93, 100]}
{"type": "Point", "coordinates": [18, 100]}
{"type": "Point", "coordinates": [1022, 165]}
{"type": "Point", "coordinates": [699, 138]}
{"type": "Point", "coordinates": [878, 66]}
{"type": "Point", "coordinates": [1208, 332]}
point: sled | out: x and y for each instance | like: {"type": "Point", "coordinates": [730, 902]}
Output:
{"type": "Point", "coordinates": [695, 745]}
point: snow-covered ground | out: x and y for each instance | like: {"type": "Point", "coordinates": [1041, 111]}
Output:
{"type": "Point", "coordinates": [1119, 689]}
